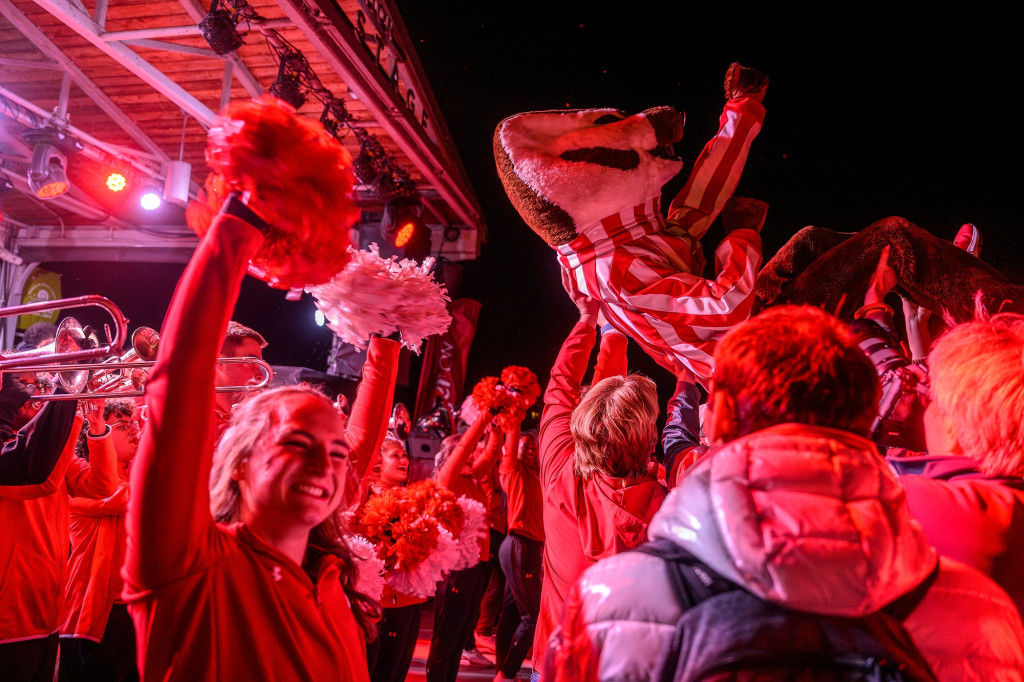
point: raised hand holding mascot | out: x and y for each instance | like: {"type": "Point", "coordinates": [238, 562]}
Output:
{"type": "Point", "coordinates": [589, 182]}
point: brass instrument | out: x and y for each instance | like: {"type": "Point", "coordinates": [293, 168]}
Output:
{"type": "Point", "coordinates": [72, 344]}
{"type": "Point", "coordinates": [119, 375]}
{"type": "Point", "coordinates": [400, 422]}
{"type": "Point", "coordinates": [134, 384]}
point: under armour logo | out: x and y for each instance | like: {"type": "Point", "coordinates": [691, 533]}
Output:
{"type": "Point", "coordinates": [276, 572]}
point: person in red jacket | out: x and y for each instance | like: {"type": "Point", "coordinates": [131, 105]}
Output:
{"type": "Point", "coordinates": [97, 642]}
{"type": "Point", "coordinates": [239, 342]}
{"type": "Point", "coordinates": [34, 537]}
{"type": "Point", "coordinates": [599, 493]}
{"type": "Point", "coordinates": [457, 602]}
{"type": "Point", "coordinates": [235, 568]}
{"type": "Point", "coordinates": [390, 655]}
{"type": "Point", "coordinates": [968, 490]}
{"type": "Point", "coordinates": [521, 553]}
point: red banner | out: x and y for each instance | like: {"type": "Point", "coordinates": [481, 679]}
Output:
{"type": "Point", "coordinates": [445, 357]}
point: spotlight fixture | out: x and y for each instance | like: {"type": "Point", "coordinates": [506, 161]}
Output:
{"type": "Point", "coordinates": [318, 317]}
{"type": "Point", "coordinates": [371, 152]}
{"type": "Point", "coordinates": [219, 29]}
{"type": "Point", "coordinates": [151, 200]}
{"type": "Point", "coordinates": [47, 173]}
{"type": "Point", "coordinates": [404, 231]}
{"type": "Point", "coordinates": [116, 181]}
{"type": "Point", "coordinates": [288, 87]}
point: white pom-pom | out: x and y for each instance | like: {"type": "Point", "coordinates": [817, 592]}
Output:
{"type": "Point", "coordinates": [470, 411]}
{"type": "Point", "coordinates": [422, 580]}
{"type": "Point", "coordinates": [383, 295]}
{"type": "Point", "coordinates": [473, 529]}
{"type": "Point", "coordinates": [369, 569]}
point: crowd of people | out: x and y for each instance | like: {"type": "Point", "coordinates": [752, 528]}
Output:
{"type": "Point", "coordinates": [838, 497]}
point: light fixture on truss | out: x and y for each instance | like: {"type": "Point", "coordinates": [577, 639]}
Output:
{"type": "Point", "coordinates": [47, 173]}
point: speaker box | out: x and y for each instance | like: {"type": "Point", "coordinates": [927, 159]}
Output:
{"type": "Point", "coordinates": [423, 446]}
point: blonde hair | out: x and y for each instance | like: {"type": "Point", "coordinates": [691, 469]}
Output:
{"type": "Point", "coordinates": [977, 379]}
{"type": "Point", "coordinates": [613, 427]}
{"type": "Point", "coordinates": [251, 420]}
{"type": "Point", "coordinates": [392, 443]}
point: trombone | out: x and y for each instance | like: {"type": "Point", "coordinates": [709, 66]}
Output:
{"type": "Point", "coordinates": [72, 344]}
{"type": "Point", "coordinates": [66, 333]}
{"type": "Point", "coordinates": [137, 381]}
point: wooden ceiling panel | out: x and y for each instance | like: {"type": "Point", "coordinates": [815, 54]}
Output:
{"type": "Point", "coordinates": [128, 90]}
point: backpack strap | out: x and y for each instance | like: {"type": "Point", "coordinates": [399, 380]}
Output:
{"type": "Point", "coordinates": [691, 579]}
{"type": "Point", "coordinates": [903, 606]}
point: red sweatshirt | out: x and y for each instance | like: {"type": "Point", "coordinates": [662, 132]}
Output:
{"type": "Point", "coordinates": [371, 409]}
{"type": "Point", "coordinates": [34, 530]}
{"type": "Point", "coordinates": [584, 520]}
{"type": "Point", "coordinates": [213, 602]}
{"type": "Point", "coordinates": [97, 552]}
{"type": "Point", "coordinates": [522, 488]}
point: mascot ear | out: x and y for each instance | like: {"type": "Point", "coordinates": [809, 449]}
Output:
{"type": "Point", "coordinates": [553, 224]}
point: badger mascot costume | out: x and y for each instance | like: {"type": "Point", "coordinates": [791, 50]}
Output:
{"type": "Point", "coordinates": [589, 183]}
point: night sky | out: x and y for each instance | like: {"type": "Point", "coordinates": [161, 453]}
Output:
{"type": "Point", "coordinates": [871, 112]}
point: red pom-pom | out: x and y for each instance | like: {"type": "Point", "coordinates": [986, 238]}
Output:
{"type": "Point", "coordinates": [522, 381]}
{"type": "Point", "coordinates": [490, 396]}
{"type": "Point", "coordinates": [440, 503]}
{"type": "Point", "coordinates": [299, 180]}
{"type": "Point", "coordinates": [404, 537]}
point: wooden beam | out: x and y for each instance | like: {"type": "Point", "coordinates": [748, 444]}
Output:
{"type": "Point", "coordinates": [48, 48]}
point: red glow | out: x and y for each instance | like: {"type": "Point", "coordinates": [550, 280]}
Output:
{"type": "Point", "coordinates": [116, 182]}
{"type": "Point", "coordinates": [52, 189]}
{"type": "Point", "coordinates": [404, 234]}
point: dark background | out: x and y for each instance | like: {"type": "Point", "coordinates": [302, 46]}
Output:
{"type": "Point", "coordinates": [873, 110]}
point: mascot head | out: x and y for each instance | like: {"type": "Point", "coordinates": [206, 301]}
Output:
{"type": "Point", "coordinates": [566, 170]}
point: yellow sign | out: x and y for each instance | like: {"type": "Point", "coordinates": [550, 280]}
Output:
{"type": "Point", "coordinates": [42, 285]}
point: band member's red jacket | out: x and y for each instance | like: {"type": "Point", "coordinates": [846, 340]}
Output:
{"type": "Point", "coordinates": [34, 538]}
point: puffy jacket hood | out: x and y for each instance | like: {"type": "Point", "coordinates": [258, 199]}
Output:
{"type": "Point", "coordinates": [806, 517]}
{"type": "Point", "coordinates": [614, 514]}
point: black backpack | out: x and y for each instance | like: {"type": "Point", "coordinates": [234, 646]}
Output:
{"type": "Point", "coordinates": [726, 633]}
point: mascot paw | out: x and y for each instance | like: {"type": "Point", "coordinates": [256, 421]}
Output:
{"type": "Point", "coordinates": [744, 213]}
{"type": "Point", "coordinates": [743, 81]}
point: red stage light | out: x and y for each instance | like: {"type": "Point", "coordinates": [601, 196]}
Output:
{"type": "Point", "coordinates": [53, 189]}
{"type": "Point", "coordinates": [405, 233]}
{"type": "Point", "coordinates": [116, 182]}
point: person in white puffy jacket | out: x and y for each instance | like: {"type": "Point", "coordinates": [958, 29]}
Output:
{"type": "Point", "coordinates": [795, 505]}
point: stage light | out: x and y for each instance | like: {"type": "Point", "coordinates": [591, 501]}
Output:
{"type": "Point", "coordinates": [219, 28]}
{"type": "Point", "coordinates": [47, 176]}
{"type": "Point", "coordinates": [404, 231]}
{"type": "Point", "coordinates": [151, 200]}
{"type": "Point", "coordinates": [47, 173]}
{"type": "Point", "coordinates": [116, 181]}
{"type": "Point", "coordinates": [319, 318]}
{"type": "Point", "coordinates": [288, 86]}
{"type": "Point", "coordinates": [405, 234]}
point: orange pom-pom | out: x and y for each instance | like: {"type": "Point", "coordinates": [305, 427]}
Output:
{"type": "Point", "coordinates": [523, 381]}
{"type": "Point", "coordinates": [299, 179]}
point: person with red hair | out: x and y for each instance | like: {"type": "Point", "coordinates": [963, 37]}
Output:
{"type": "Point", "coordinates": [792, 523]}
